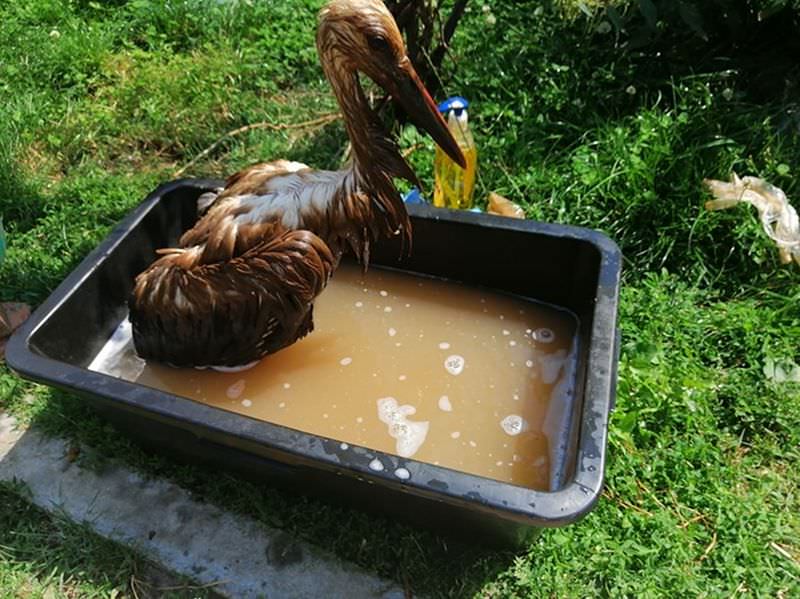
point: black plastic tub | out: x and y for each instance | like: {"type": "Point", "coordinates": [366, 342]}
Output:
{"type": "Point", "coordinates": [574, 268]}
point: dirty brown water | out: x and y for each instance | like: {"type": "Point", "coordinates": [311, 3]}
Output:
{"type": "Point", "coordinates": [447, 374]}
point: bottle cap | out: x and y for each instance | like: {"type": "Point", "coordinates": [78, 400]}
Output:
{"type": "Point", "coordinates": [456, 103]}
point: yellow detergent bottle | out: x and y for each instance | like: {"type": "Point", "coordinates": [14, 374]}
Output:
{"type": "Point", "coordinates": [453, 185]}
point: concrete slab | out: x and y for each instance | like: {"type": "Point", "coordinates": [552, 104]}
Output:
{"type": "Point", "coordinates": [162, 522]}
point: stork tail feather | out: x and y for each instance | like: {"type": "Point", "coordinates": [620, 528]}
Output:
{"type": "Point", "coordinates": [187, 313]}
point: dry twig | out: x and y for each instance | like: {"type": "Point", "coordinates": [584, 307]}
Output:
{"type": "Point", "coordinates": [323, 120]}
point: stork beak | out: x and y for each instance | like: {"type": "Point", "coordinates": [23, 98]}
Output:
{"type": "Point", "coordinates": [422, 111]}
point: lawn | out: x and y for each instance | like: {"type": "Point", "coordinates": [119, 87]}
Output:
{"type": "Point", "coordinates": [104, 100]}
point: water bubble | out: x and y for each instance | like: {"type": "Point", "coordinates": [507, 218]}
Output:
{"type": "Point", "coordinates": [383, 293]}
{"type": "Point", "coordinates": [498, 463]}
{"type": "Point", "coordinates": [376, 465]}
{"type": "Point", "coordinates": [512, 343]}
{"type": "Point", "coordinates": [402, 474]}
{"type": "Point", "coordinates": [529, 363]}
{"type": "Point", "coordinates": [473, 444]}
{"type": "Point", "coordinates": [359, 304]}
{"type": "Point", "coordinates": [387, 309]}
{"type": "Point", "coordinates": [402, 377]}
{"type": "Point", "coordinates": [513, 424]}
{"type": "Point", "coordinates": [325, 416]}
{"type": "Point", "coordinates": [455, 435]}
{"type": "Point", "coordinates": [398, 344]}
{"type": "Point", "coordinates": [444, 404]}
{"type": "Point", "coordinates": [359, 420]}
{"type": "Point", "coordinates": [506, 332]}
{"type": "Point", "coordinates": [247, 403]}
{"type": "Point", "coordinates": [344, 446]}
{"type": "Point", "coordinates": [444, 345]}
{"type": "Point", "coordinates": [392, 332]}
{"type": "Point", "coordinates": [235, 390]}
{"type": "Point", "coordinates": [454, 364]}
{"type": "Point", "coordinates": [287, 386]}
{"type": "Point", "coordinates": [544, 335]}
{"type": "Point", "coordinates": [282, 404]}
{"type": "Point", "coordinates": [408, 305]}
{"type": "Point", "coordinates": [346, 361]}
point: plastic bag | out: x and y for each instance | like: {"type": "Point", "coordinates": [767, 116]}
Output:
{"type": "Point", "coordinates": [778, 218]}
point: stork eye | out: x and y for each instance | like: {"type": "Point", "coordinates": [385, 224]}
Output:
{"type": "Point", "coordinates": [377, 43]}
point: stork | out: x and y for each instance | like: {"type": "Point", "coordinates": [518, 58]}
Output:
{"type": "Point", "coordinates": [242, 282]}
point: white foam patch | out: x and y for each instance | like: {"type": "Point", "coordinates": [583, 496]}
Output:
{"type": "Point", "coordinates": [513, 424]}
{"type": "Point", "coordinates": [376, 465]}
{"type": "Point", "coordinates": [551, 365]}
{"type": "Point", "coordinates": [454, 364]}
{"type": "Point", "coordinates": [402, 474]}
{"type": "Point", "coordinates": [409, 435]}
{"type": "Point", "coordinates": [230, 369]}
{"type": "Point", "coordinates": [235, 391]}
{"type": "Point", "coordinates": [444, 404]}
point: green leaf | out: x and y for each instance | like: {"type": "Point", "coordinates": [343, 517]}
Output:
{"type": "Point", "coordinates": [649, 12]}
{"type": "Point", "coordinates": [615, 18]}
{"type": "Point", "coordinates": [691, 16]}
{"type": "Point", "coordinates": [2, 241]}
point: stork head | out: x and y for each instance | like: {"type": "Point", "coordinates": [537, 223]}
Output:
{"type": "Point", "coordinates": [362, 36]}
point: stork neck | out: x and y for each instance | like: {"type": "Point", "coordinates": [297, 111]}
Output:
{"type": "Point", "coordinates": [362, 124]}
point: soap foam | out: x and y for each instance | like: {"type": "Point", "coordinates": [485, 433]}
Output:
{"type": "Point", "coordinates": [513, 424]}
{"type": "Point", "coordinates": [235, 391]}
{"type": "Point", "coordinates": [454, 364]}
{"type": "Point", "coordinates": [408, 434]}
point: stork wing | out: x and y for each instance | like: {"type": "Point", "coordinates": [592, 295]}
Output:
{"type": "Point", "coordinates": [188, 312]}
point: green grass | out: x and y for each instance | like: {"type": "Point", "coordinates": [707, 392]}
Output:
{"type": "Point", "coordinates": [102, 101]}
